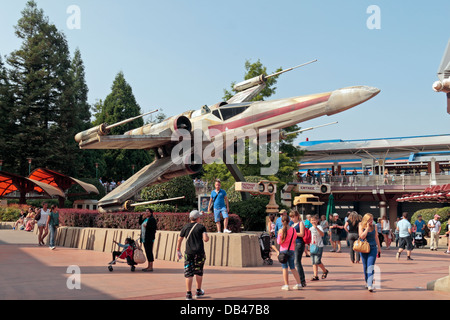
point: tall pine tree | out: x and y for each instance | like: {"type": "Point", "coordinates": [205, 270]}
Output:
{"type": "Point", "coordinates": [44, 90]}
{"type": "Point", "coordinates": [119, 105]}
{"type": "Point", "coordinates": [7, 123]}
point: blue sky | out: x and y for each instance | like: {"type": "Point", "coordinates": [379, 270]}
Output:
{"type": "Point", "coordinates": [180, 55]}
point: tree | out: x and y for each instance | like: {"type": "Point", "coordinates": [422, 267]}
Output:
{"type": "Point", "coordinates": [253, 70]}
{"type": "Point", "coordinates": [7, 124]}
{"type": "Point", "coordinates": [289, 154]}
{"type": "Point", "coordinates": [44, 109]}
{"type": "Point", "coordinates": [119, 105]}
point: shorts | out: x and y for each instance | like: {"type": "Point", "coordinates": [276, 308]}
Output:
{"type": "Point", "coordinates": [217, 213]}
{"type": "Point", "coordinates": [291, 260]}
{"type": "Point", "coordinates": [335, 237]}
{"type": "Point", "coordinates": [317, 258]}
{"type": "Point", "coordinates": [405, 242]}
{"type": "Point", "coordinates": [385, 232]}
{"type": "Point", "coordinates": [193, 265]}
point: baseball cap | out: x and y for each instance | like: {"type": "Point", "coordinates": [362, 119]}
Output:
{"type": "Point", "coordinates": [194, 215]}
{"type": "Point", "coordinates": [283, 211]}
{"type": "Point", "coordinates": [437, 216]}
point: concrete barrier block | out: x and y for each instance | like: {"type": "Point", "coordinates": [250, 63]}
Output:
{"type": "Point", "coordinates": [442, 284]}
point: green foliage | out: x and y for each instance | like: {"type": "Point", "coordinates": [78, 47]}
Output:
{"type": "Point", "coordinates": [252, 212]}
{"type": "Point", "coordinates": [120, 105]}
{"type": "Point", "coordinates": [43, 99]}
{"type": "Point", "coordinates": [9, 214]}
{"type": "Point", "coordinates": [428, 214]}
{"type": "Point", "coordinates": [177, 187]}
{"type": "Point", "coordinates": [253, 70]}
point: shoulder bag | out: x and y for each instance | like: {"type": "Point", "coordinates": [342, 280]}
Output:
{"type": "Point", "coordinates": [361, 246]}
{"type": "Point", "coordinates": [138, 255]}
{"type": "Point", "coordinates": [282, 256]}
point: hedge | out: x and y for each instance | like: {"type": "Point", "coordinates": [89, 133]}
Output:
{"type": "Point", "coordinates": [168, 221]}
{"type": "Point", "coordinates": [428, 214]}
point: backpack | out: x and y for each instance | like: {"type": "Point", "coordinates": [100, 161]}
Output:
{"type": "Point", "coordinates": [307, 236]}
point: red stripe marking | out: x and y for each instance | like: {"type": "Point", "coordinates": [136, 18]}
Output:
{"type": "Point", "coordinates": [269, 114]}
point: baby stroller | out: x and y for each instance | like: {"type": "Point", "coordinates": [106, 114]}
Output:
{"type": "Point", "coordinates": [126, 254]}
{"type": "Point", "coordinates": [419, 240]}
{"type": "Point", "coordinates": [264, 241]}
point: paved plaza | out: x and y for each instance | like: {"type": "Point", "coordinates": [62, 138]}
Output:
{"type": "Point", "coordinates": [28, 271]}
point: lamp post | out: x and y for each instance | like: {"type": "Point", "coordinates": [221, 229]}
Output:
{"type": "Point", "coordinates": [29, 165]}
{"type": "Point", "coordinates": [1, 165]}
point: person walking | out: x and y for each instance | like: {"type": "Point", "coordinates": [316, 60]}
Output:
{"type": "Point", "coordinates": [299, 227]}
{"type": "Point", "coordinates": [42, 223]}
{"type": "Point", "coordinates": [404, 233]}
{"type": "Point", "coordinates": [219, 203]}
{"type": "Point", "coordinates": [435, 229]}
{"type": "Point", "coordinates": [447, 234]}
{"type": "Point", "coordinates": [316, 248]}
{"type": "Point", "coordinates": [148, 231]}
{"type": "Point", "coordinates": [51, 225]}
{"type": "Point", "coordinates": [367, 230]}
{"type": "Point", "coordinates": [324, 225]}
{"type": "Point", "coordinates": [386, 231]}
{"type": "Point", "coordinates": [336, 229]}
{"type": "Point", "coordinates": [194, 255]}
{"type": "Point", "coordinates": [352, 225]}
{"type": "Point", "coordinates": [286, 239]}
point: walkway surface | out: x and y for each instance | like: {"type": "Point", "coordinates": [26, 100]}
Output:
{"type": "Point", "coordinates": [28, 271]}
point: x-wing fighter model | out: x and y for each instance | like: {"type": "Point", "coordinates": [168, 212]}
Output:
{"type": "Point", "coordinates": [214, 123]}
{"type": "Point", "coordinates": [443, 85]}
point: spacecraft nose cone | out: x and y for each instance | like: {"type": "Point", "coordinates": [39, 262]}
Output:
{"type": "Point", "coordinates": [346, 98]}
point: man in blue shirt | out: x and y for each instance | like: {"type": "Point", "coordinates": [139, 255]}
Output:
{"type": "Point", "coordinates": [404, 233]}
{"type": "Point", "coordinates": [220, 205]}
{"type": "Point", "coordinates": [420, 224]}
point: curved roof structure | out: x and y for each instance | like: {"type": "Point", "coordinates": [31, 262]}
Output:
{"type": "Point", "coordinates": [59, 180]}
{"type": "Point", "coordinates": [10, 182]}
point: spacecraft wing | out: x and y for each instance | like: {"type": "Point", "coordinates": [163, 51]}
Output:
{"type": "Point", "coordinates": [137, 142]}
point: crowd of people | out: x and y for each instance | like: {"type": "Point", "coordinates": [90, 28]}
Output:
{"type": "Point", "coordinates": [292, 239]}
{"type": "Point", "coordinates": [289, 233]}
{"type": "Point", "coordinates": [46, 219]}
{"type": "Point", "coordinates": [110, 185]}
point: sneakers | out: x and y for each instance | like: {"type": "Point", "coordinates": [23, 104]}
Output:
{"type": "Point", "coordinates": [397, 255]}
{"type": "Point", "coordinates": [285, 287]}
{"type": "Point", "coordinates": [298, 286]}
{"type": "Point", "coordinates": [199, 293]}
{"type": "Point", "coordinates": [409, 258]}
{"type": "Point", "coordinates": [226, 231]}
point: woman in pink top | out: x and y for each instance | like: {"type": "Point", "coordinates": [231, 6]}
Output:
{"type": "Point", "coordinates": [286, 240]}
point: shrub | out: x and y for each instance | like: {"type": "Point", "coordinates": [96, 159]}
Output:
{"type": "Point", "coordinates": [252, 212]}
{"type": "Point", "coordinates": [177, 187]}
{"type": "Point", "coordinates": [428, 214]}
{"type": "Point", "coordinates": [130, 220]}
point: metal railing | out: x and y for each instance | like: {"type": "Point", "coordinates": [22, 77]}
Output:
{"type": "Point", "coordinates": [379, 180]}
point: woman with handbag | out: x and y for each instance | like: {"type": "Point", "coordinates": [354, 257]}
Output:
{"type": "Point", "coordinates": [148, 230]}
{"type": "Point", "coordinates": [368, 232]}
{"type": "Point", "coordinates": [286, 239]}
{"type": "Point", "coordinates": [299, 227]}
{"type": "Point", "coordinates": [316, 249]}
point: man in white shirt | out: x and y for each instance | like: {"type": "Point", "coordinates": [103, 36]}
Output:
{"type": "Point", "coordinates": [435, 228]}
